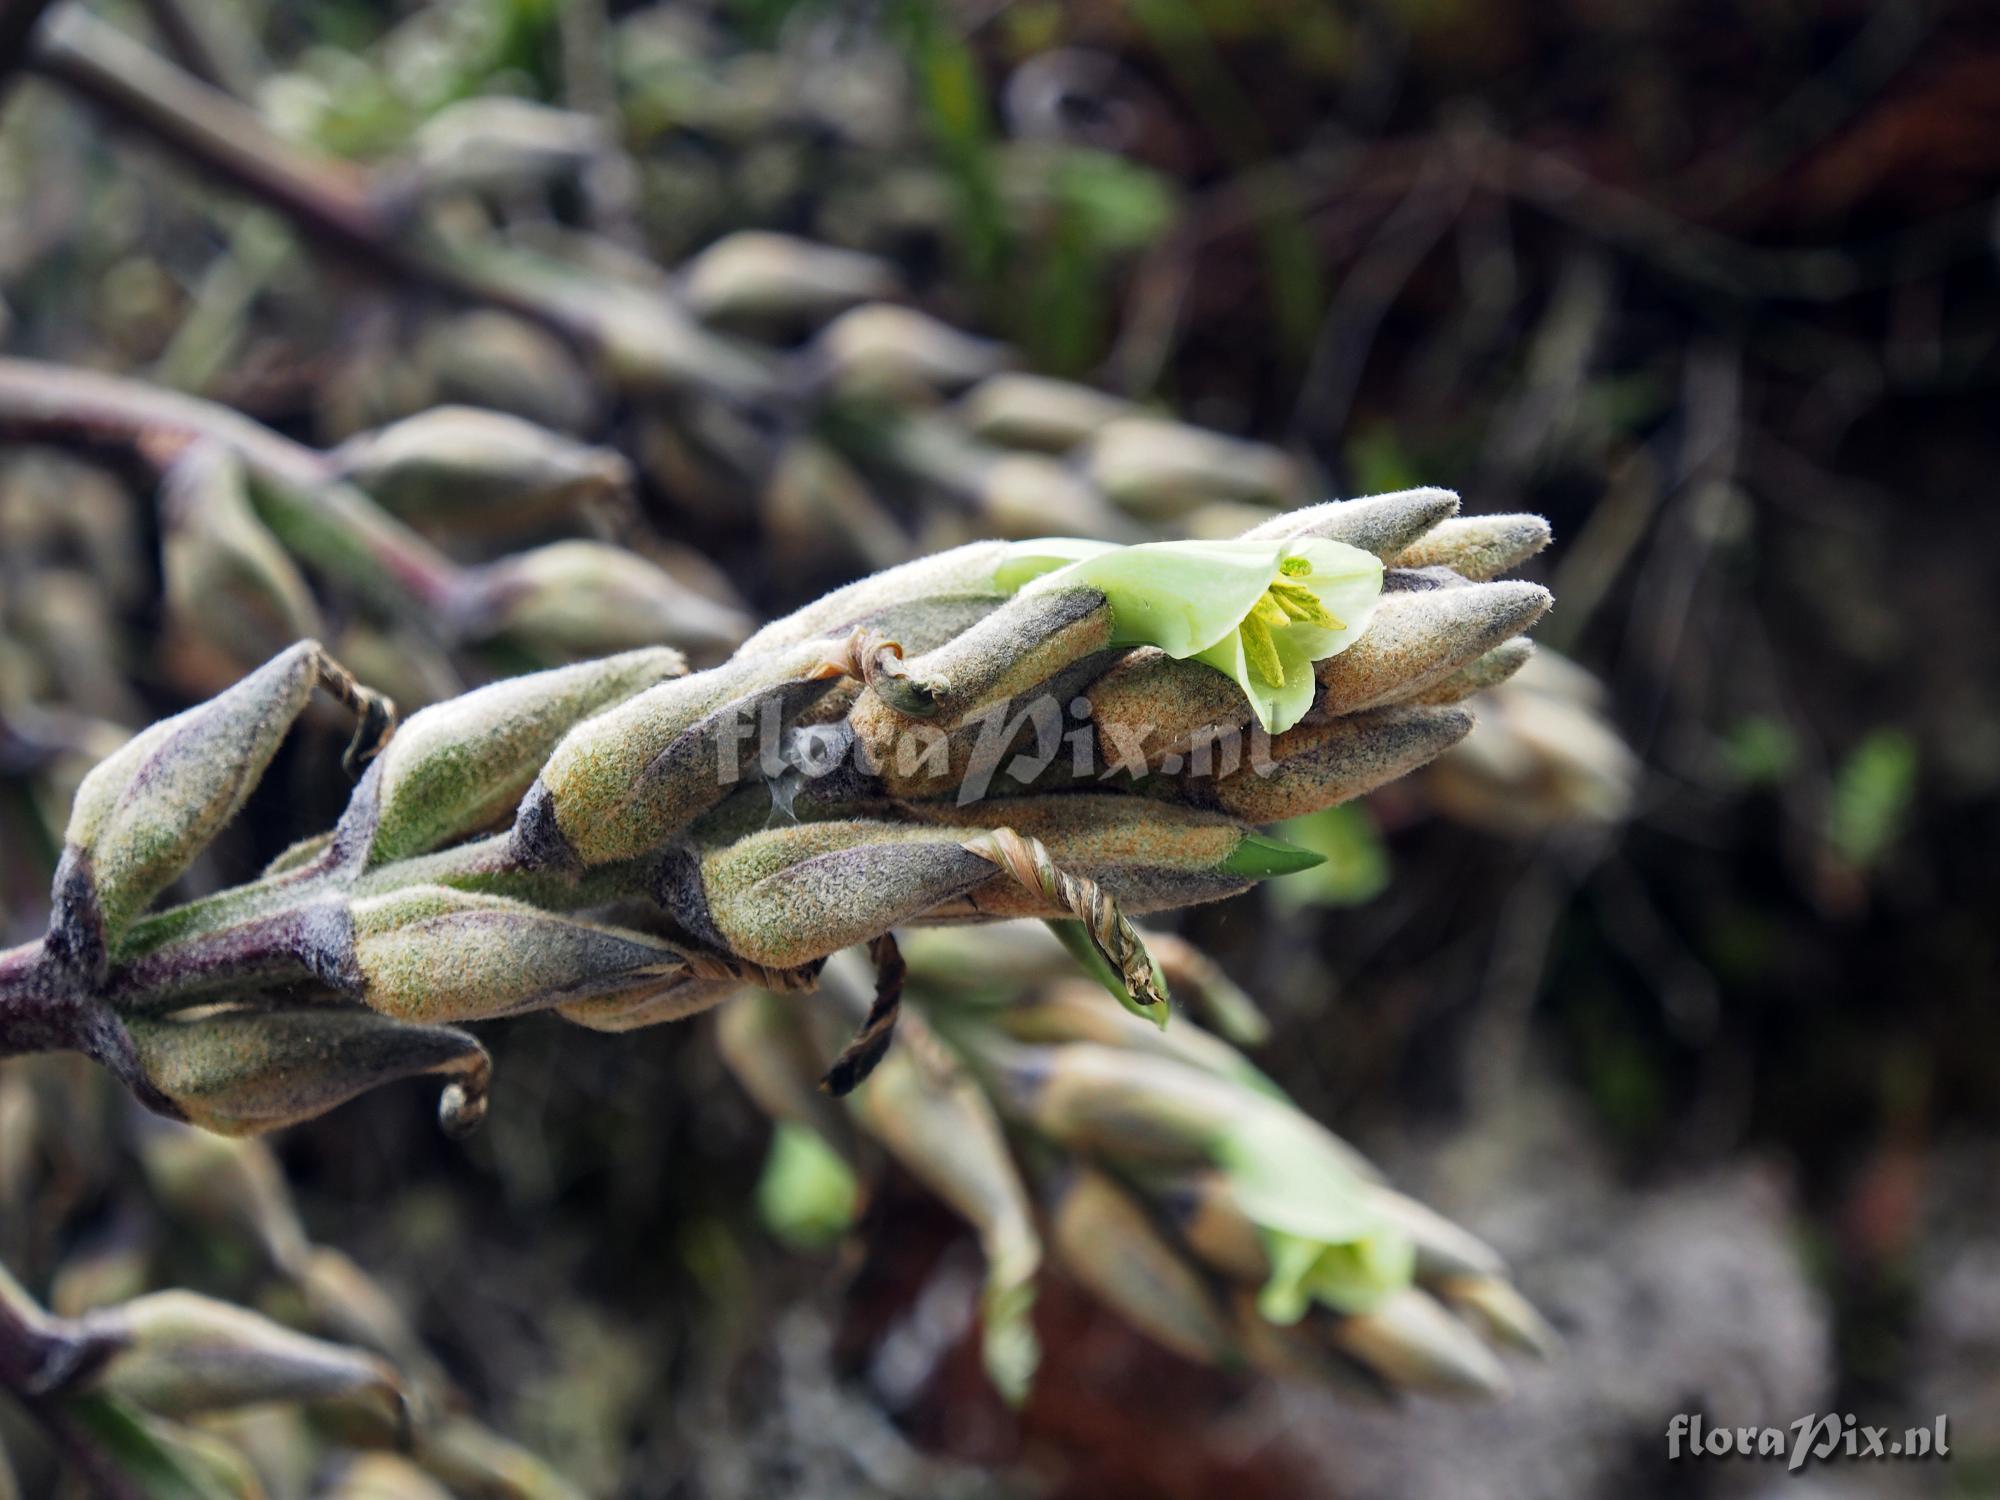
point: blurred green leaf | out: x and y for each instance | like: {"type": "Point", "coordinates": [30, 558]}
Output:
{"type": "Point", "coordinates": [807, 1196]}
{"type": "Point", "coordinates": [1872, 792]}
{"type": "Point", "coordinates": [1356, 867]}
{"type": "Point", "coordinates": [1761, 750]}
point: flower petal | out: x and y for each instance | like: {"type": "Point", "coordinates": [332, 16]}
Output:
{"type": "Point", "coordinates": [1180, 596]}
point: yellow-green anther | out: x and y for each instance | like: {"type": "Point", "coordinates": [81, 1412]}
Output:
{"type": "Point", "coordinates": [247, 1071]}
{"type": "Point", "coordinates": [433, 954]}
{"type": "Point", "coordinates": [459, 766]}
{"type": "Point", "coordinates": [459, 469]}
{"type": "Point", "coordinates": [1260, 649]}
{"type": "Point", "coordinates": [1300, 603]}
{"type": "Point", "coordinates": [185, 1354]}
{"type": "Point", "coordinates": [1208, 601]}
{"type": "Point", "coordinates": [141, 816]}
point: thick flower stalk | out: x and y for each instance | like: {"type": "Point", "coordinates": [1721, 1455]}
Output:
{"type": "Point", "coordinates": [1002, 730]}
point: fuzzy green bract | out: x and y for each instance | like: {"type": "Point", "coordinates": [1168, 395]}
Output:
{"type": "Point", "coordinates": [1260, 612]}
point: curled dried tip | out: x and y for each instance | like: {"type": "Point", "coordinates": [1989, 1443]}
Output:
{"type": "Point", "coordinates": [866, 655]}
{"type": "Point", "coordinates": [1029, 863]}
{"type": "Point", "coordinates": [870, 1044]}
{"type": "Point", "coordinates": [462, 1105]}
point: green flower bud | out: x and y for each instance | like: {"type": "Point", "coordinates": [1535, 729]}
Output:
{"type": "Point", "coordinates": [384, 1476]}
{"type": "Point", "coordinates": [590, 598]}
{"type": "Point", "coordinates": [505, 363]}
{"type": "Point", "coordinates": [1419, 639]}
{"type": "Point", "coordinates": [1493, 1304]}
{"type": "Point", "coordinates": [141, 816]}
{"type": "Point", "coordinates": [898, 353]}
{"type": "Point", "coordinates": [1318, 765]}
{"type": "Point", "coordinates": [241, 1072]}
{"type": "Point", "coordinates": [785, 896]}
{"type": "Point", "coordinates": [1544, 756]}
{"type": "Point", "coordinates": [1027, 495]}
{"type": "Point", "coordinates": [1414, 1344]}
{"type": "Point", "coordinates": [760, 280]}
{"type": "Point", "coordinates": [164, 1458]}
{"type": "Point", "coordinates": [1477, 547]}
{"type": "Point", "coordinates": [500, 144]}
{"type": "Point", "coordinates": [1070, 1012]}
{"type": "Point", "coordinates": [473, 1460]}
{"type": "Point", "coordinates": [1033, 411]}
{"type": "Point", "coordinates": [229, 585]}
{"type": "Point", "coordinates": [185, 1354]}
{"type": "Point", "coordinates": [959, 571]}
{"type": "Point", "coordinates": [673, 999]}
{"type": "Point", "coordinates": [622, 783]}
{"type": "Point", "coordinates": [944, 1132]}
{"type": "Point", "coordinates": [1161, 469]}
{"type": "Point", "coordinates": [461, 470]}
{"type": "Point", "coordinates": [457, 766]}
{"type": "Point", "coordinates": [1386, 525]}
{"type": "Point", "coordinates": [817, 512]}
{"type": "Point", "coordinates": [1018, 646]}
{"type": "Point", "coordinates": [429, 954]}
{"type": "Point", "coordinates": [1106, 1240]}
{"type": "Point", "coordinates": [1489, 671]}
{"type": "Point", "coordinates": [778, 1051]}
{"type": "Point", "coordinates": [230, 1188]}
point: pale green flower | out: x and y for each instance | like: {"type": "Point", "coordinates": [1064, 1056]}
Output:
{"type": "Point", "coordinates": [1262, 612]}
{"type": "Point", "coordinates": [1327, 1240]}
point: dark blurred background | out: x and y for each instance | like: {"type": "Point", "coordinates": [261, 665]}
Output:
{"type": "Point", "coordinates": [1697, 1028]}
